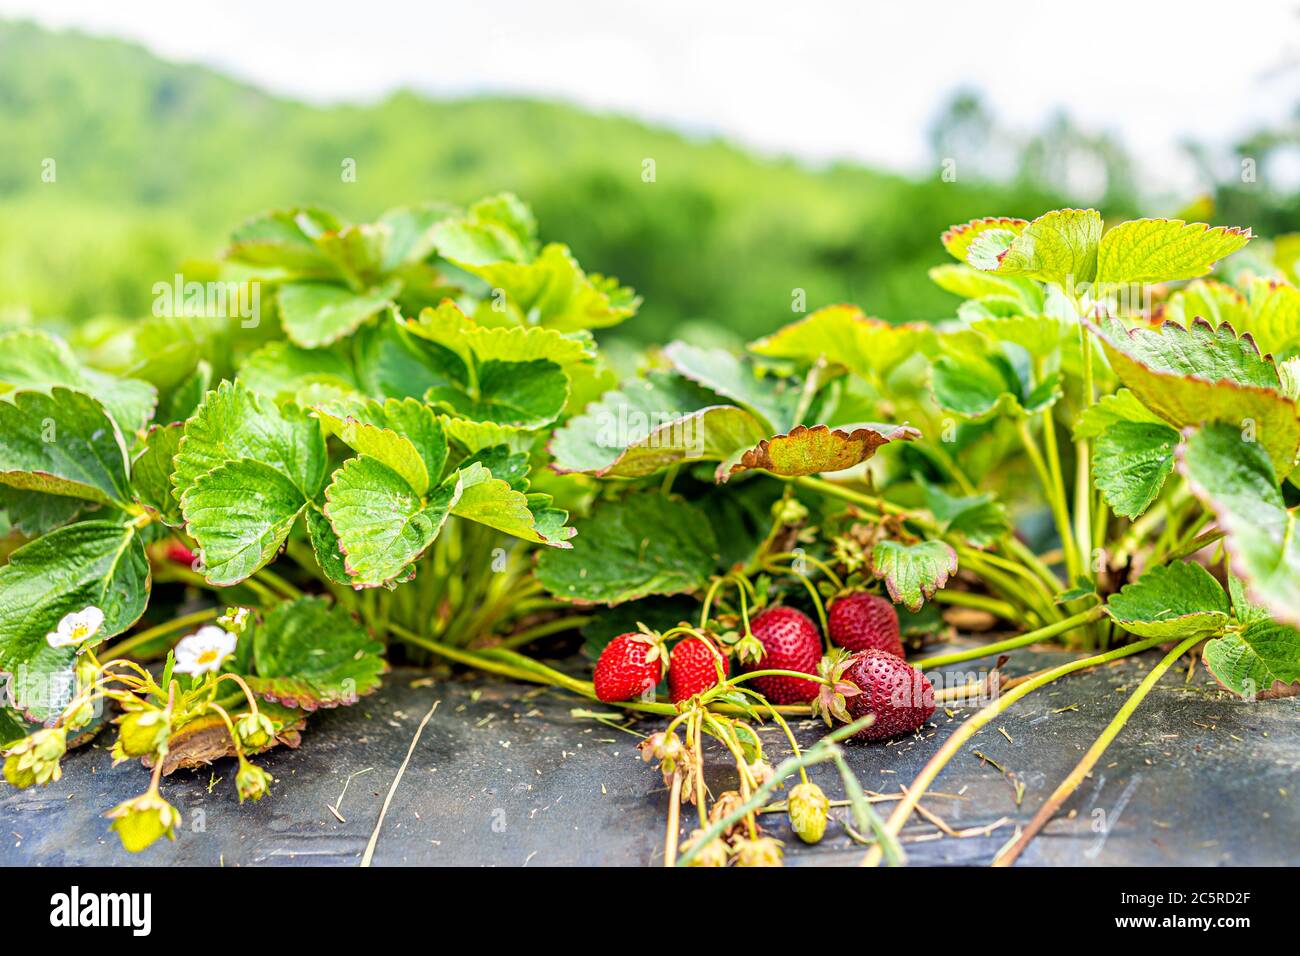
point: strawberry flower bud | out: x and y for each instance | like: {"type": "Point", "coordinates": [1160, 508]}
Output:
{"type": "Point", "coordinates": [35, 759]}
{"type": "Point", "coordinates": [765, 851]}
{"type": "Point", "coordinates": [251, 781]}
{"type": "Point", "coordinates": [140, 733]}
{"type": "Point", "coordinates": [141, 821]}
{"type": "Point", "coordinates": [761, 771]}
{"type": "Point", "coordinates": [809, 809]}
{"type": "Point", "coordinates": [255, 730]}
{"type": "Point", "coordinates": [713, 853]}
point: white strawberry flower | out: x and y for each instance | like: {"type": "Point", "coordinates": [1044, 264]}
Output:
{"type": "Point", "coordinates": [76, 628]}
{"type": "Point", "coordinates": [203, 652]}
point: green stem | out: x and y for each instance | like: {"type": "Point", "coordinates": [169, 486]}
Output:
{"type": "Point", "coordinates": [1055, 495]}
{"type": "Point", "coordinates": [1084, 766]}
{"type": "Point", "coordinates": [1010, 644]}
{"type": "Point", "coordinates": [968, 729]}
{"type": "Point", "coordinates": [278, 583]}
{"type": "Point", "coordinates": [545, 629]}
{"type": "Point", "coordinates": [819, 752]}
{"type": "Point", "coordinates": [125, 646]}
{"type": "Point", "coordinates": [980, 602]}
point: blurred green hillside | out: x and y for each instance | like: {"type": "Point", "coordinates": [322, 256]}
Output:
{"type": "Point", "coordinates": [155, 162]}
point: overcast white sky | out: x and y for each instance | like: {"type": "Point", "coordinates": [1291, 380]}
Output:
{"type": "Point", "coordinates": [816, 78]}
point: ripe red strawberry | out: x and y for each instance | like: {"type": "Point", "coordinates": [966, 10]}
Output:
{"type": "Point", "coordinates": [863, 621]}
{"type": "Point", "coordinates": [896, 692]}
{"type": "Point", "coordinates": [790, 642]}
{"type": "Point", "coordinates": [693, 668]}
{"type": "Point", "coordinates": [179, 553]}
{"type": "Point", "coordinates": [630, 665]}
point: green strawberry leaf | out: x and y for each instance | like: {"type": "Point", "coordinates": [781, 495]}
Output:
{"type": "Point", "coordinates": [151, 473]}
{"type": "Point", "coordinates": [493, 502]}
{"type": "Point", "coordinates": [309, 654]}
{"type": "Point", "coordinates": [913, 572]}
{"type": "Point", "coordinates": [551, 290]}
{"type": "Point", "coordinates": [240, 513]}
{"type": "Point", "coordinates": [1175, 600]}
{"type": "Point", "coordinates": [410, 233]}
{"type": "Point", "coordinates": [315, 314]}
{"type": "Point", "coordinates": [647, 425]}
{"type": "Point", "coordinates": [35, 360]}
{"type": "Point", "coordinates": [1235, 480]}
{"type": "Point", "coordinates": [980, 519]}
{"type": "Point", "coordinates": [522, 394]}
{"type": "Point", "coordinates": [285, 240]}
{"type": "Point", "coordinates": [979, 381]}
{"type": "Point", "coordinates": [1216, 302]}
{"type": "Point", "coordinates": [811, 451]}
{"type": "Point", "coordinates": [63, 443]}
{"type": "Point", "coordinates": [404, 435]}
{"type": "Point", "coordinates": [957, 239]}
{"type": "Point", "coordinates": [1060, 246]}
{"type": "Point", "coordinates": [1131, 462]}
{"type": "Point", "coordinates": [772, 400]}
{"type": "Point", "coordinates": [91, 563]}
{"type": "Point", "coordinates": [1039, 335]}
{"type": "Point", "coordinates": [630, 548]}
{"type": "Point", "coordinates": [1123, 406]}
{"type": "Point", "coordinates": [1260, 661]}
{"type": "Point", "coordinates": [1199, 374]}
{"type": "Point", "coordinates": [381, 522]}
{"type": "Point", "coordinates": [234, 423]}
{"type": "Point", "coordinates": [450, 328]}
{"type": "Point", "coordinates": [475, 436]}
{"type": "Point", "coordinates": [34, 513]}
{"type": "Point", "coordinates": [1274, 317]}
{"type": "Point", "coordinates": [496, 228]}
{"type": "Point", "coordinates": [843, 335]}
{"type": "Point", "coordinates": [325, 545]}
{"type": "Point", "coordinates": [281, 371]}
{"type": "Point", "coordinates": [971, 283]}
{"type": "Point", "coordinates": [393, 363]}
{"type": "Point", "coordinates": [1164, 250]}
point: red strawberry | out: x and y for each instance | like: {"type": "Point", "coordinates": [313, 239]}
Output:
{"type": "Point", "coordinates": [790, 642]}
{"type": "Point", "coordinates": [895, 691]}
{"type": "Point", "coordinates": [862, 621]}
{"type": "Point", "coordinates": [179, 553]}
{"type": "Point", "coordinates": [630, 665]}
{"type": "Point", "coordinates": [693, 668]}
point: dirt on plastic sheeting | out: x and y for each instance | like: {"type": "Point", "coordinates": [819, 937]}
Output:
{"type": "Point", "coordinates": [504, 775]}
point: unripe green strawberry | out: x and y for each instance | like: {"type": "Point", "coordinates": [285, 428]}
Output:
{"type": "Point", "coordinates": [809, 809]}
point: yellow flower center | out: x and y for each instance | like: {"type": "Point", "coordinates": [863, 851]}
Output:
{"type": "Point", "coordinates": [207, 657]}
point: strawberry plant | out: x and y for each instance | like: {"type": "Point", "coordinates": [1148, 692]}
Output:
{"type": "Point", "coordinates": [355, 464]}
{"type": "Point", "coordinates": [1098, 448]}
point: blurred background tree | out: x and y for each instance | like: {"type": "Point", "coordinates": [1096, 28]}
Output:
{"type": "Point", "coordinates": [155, 163]}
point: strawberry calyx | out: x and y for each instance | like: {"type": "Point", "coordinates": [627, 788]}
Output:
{"type": "Point", "coordinates": [831, 702]}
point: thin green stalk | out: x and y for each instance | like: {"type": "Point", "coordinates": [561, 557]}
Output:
{"type": "Point", "coordinates": [864, 815]}
{"type": "Point", "coordinates": [1025, 554]}
{"type": "Point", "coordinates": [125, 646]}
{"type": "Point", "coordinates": [980, 602]}
{"type": "Point", "coordinates": [1084, 766]}
{"type": "Point", "coordinates": [1010, 644]}
{"type": "Point", "coordinates": [819, 752]}
{"type": "Point", "coordinates": [545, 629]}
{"type": "Point", "coordinates": [1055, 498]}
{"type": "Point", "coordinates": [968, 729]}
{"type": "Point", "coordinates": [278, 583]}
